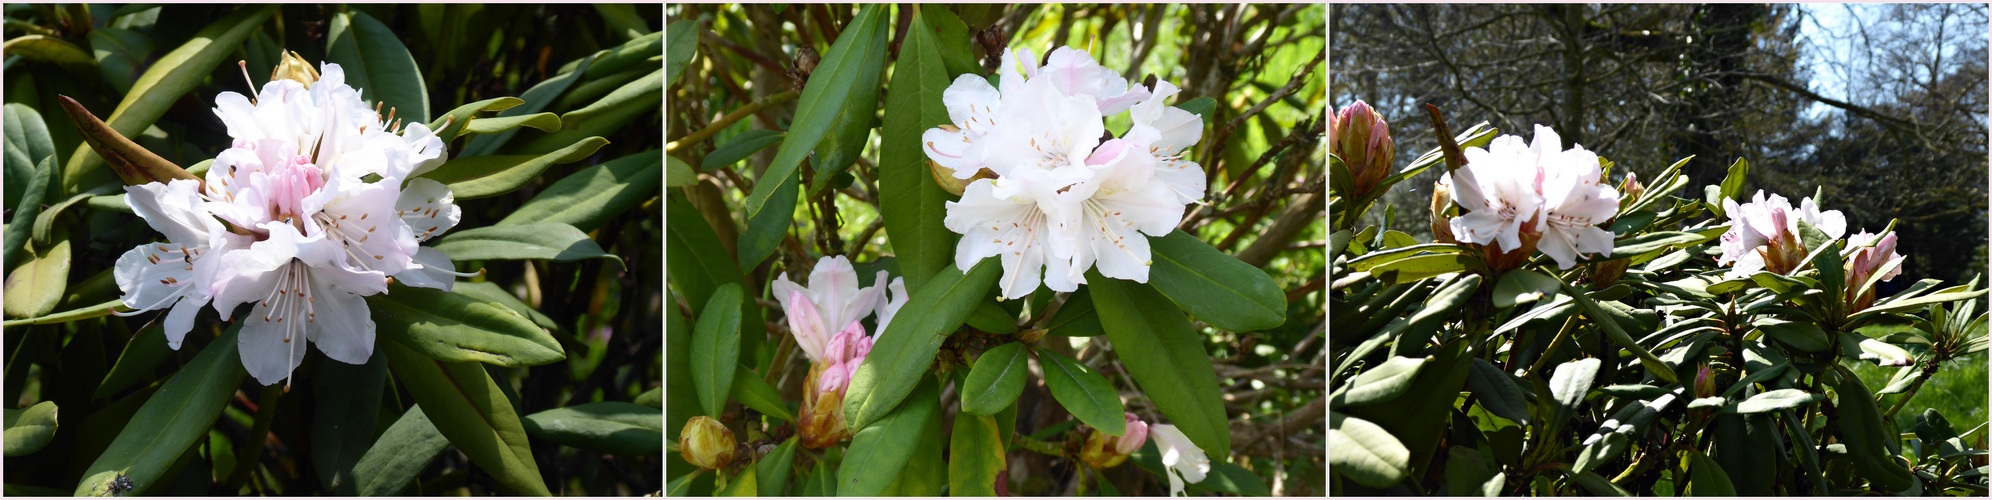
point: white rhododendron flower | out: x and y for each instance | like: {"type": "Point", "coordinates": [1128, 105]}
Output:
{"type": "Point", "coordinates": [1184, 460]}
{"type": "Point", "coordinates": [889, 302]}
{"type": "Point", "coordinates": [317, 188]}
{"type": "Point", "coordinates": [1515, 192]}
{"type": "Point", "coordinates": [832, 302]}
{"type": "Point", "coordinates": [1763, 234]}
{"type": "Point", "coordinates": [1065, 194]}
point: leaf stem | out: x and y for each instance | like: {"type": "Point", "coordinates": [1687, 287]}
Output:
{"type": "Point", "coordinates": [1032, 444]}
{"type": "Point", "coordinates": [729, 119]}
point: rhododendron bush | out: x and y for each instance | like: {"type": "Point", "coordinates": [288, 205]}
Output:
{"type": "Point", "coordinates": [1074, 257]}
{"type": "Point", "coordinates": [296, 251]}
{"type": "Point", "coordinates": [1582, 325]}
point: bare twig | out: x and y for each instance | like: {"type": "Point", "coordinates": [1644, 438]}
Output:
{"type": "Point", "coordinates": [725, 121]}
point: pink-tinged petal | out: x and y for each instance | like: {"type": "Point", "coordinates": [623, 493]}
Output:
{"type": "Point", "coordinates": [806, 324]}
{"type": "Point", "coordinates": [844, 345]}
{"type": "Point", "coordinates": [971, 102]}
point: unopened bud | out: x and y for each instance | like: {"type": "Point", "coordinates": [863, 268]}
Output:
{"type": "Point", "coordinates": [1441, 225]}
{"type": "Point", "coordinates": [706, 443]}
{"type": "Point", "coordinates": [1630, 189]}
{"type": "Point", "coordinates": [1704, 383]}
{"type": "Point", "coordinates": [295, 67]}
{"type": "Point", "coordinates": [1103, 450]}
{"type": "Point", "coordinates": [1362, 139]}
{"type": "Point", "coordinates": [822, 422]}
{"type": "Point", "coordinates": [945, 177]}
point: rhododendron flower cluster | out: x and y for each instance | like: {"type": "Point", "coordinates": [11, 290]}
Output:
{"type": "Point", "coordinates": [1049, 197]}
{"type": "Point", "coordinates": [1522, 197]}
{"type": "Point", "coordinates": [1764, 235]}
{"type": "Point", "coordinates": [313, 207]}
{"type": "Point", "coordinates": [833, 300]}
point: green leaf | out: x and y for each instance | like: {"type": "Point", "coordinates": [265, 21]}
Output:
{"type": "Point", "coordinates": [1705, 476]}
{"type": "Point", "coordinates": [31, 429]}
{"type": "Point", "coordinates": [878, 452]}
{"type": "Point", "coordinates": [975, 456]}
{"type": "Point", "coordinates": [905, 348]}
{"type": "Point", "coordinates": [1219, 289]}
{"type": "Point", "coordinates": [739, 148]}
{"type": "Point", "coordinates": [1365, 453]}
{"type": "Point", "coordinates": [698, 265]}
{"type": "Point", "coordinates": [605, 116]}
{"type": "Point", "coordinates": [1732, 185]}
{"type": "Point", "coordinates": [1498, 392]}
{"type": "Point", "coordinates": [399, 455]}
{"type": "Point", "coordinates": [1083, 392]}
{"type": "Point", "coordinates": [377, 64]}
{"type": "Point", "coordinates": [1076, 318]}
{"type": "Point", "coordinates": [544, 122]}
{"type": "Point", "coordinates": [996, 380]}
{"type": "Point", "coordinates": [30, 199]}
{"type": "Point", "coordinates": [1778, 400]}
{"type": "Point", "coordinates": [458, 119]}
{"type": "Point", "coordinates": [181, 411]}
{"type": "Point", "coordinates": [449, 326]}
{"type": "Point", "coordinates": [684, 35]}
{"type": "Point", "coordinates": [773, 470]}
{"type": "Point", "coordinates": [347, 411]}
{"type": "Point", "coordinates": [1657, 240]}
{"type": "Point", "coordinates": [677, 173]}
{"type": "Point", "coordinates": [849, 132]}
{"type": "Point", "coordinates": [766, 228]}
{"type": "Point", "coordinates": [1381, 383]}
{"type": "Point", "coordinates": [1570, 383]}
{"type": "Point", "coordinates": [35, 287]}
{"type": "Point", "coordinates": [468, 407]}
{"type": "Point", "coordinates": [1467, 474]}
{"type": "Point", "coordinates": [602, 426]}
{"type": "Point", "coordinates": [590, 197]}
{"type": "Point", "coordinates": [79, 314]}
{"type": "Point", "coordinates": [1202, 106]}
{"type": "Point", "coordinates": [120, 53]}
{"type": "Point", "coordinates": [1522, 286]}
{"type": "Point", "coordinates": [1596, 484]}
{"type": "Point", "coordinates": [142, 354]}
{"type": "Point", "coordinates": [654, 397]}
{"type": "Point", "coordinates": [484, 176]}
{"type": "Point", "coordinates": [52, 50]}
{"type": "Point", "coordinates": [750, 390]}
{"type": "Point", "coordinates": [630, 53]}
{"type": "Point", "coordinates": [1802, 336]}
{"type": "Point", "coordinates": [825, 94]}
{"type": "Point", "coordinates": [28, 144]}
{"type": "Point", "coordinates": [173, 75]}
{"type": "Point", "coordinates": [1229, 478]}
{"type": "Point", "coordinates": [1419, 267]}
{"type": "Point", "coordinates": [990, 317]}
{"type": "Point", "coordinates": [542, 241]}
{"type": "Point", "coordinates": [1917, 303]}
{"type": "Point", "coordinates": [1165, 357]}
{"type": "Point", "coordinates": [909, 201]}
{"type": "Point", "coordinates": [485, 291]}
{"type": "Point", "coordinates": [716, 348]}
{"type": "Point", "coordinates": [536, 99]}
{"type": "Point", "coordinates": [1653, 364]}
{"type": "Point", "coordinates": [626, 21]}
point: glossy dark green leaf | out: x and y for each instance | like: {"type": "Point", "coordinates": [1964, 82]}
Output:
{"type": "Point", "coordinates": [342, 427]}
{"type": "Point", "coordinates": [467, 406]}
{"type": "Point", "coordinates": [142, 354]}
{"type": "Point", "coordinates": [377, 64]}
{"type": "Point", "coordinates": [906, 348]}
{"type": "Point", "coordinates": [603, 117]}
{"type": "Point", "coordinates": [1202, 106]}
{"type": "Point", "coordinates": [1498, 392]}
{"type": "Point", "coordinates": [845, 141]}
{"type": "Point", "coordinates": [483, 176]}
{"type": "Point", "coordinates": [1226, 477]}
{"type": "Point", "coordinates": [590, 197]}
{"type": "Point", "coordinates": [449, 326]}
{"type": "Point", "coordinates": [1166, 358]}
{"type": "Point", "coordinates": [602, 426]}
{"type": "Point", "coordinates": [880, 451]}
{"type": "Point", "coordinates": [554, 241]}
{"type": "Point", "coordinates": [71, 58]}
{"type": "Point", "coordinates": [1380, 383]}
{"type": "Point", "coordinates": [975, 456]}
{"type": "Point", "coordinates": [1802, 336]}
{"type": "Point", "coordinates": [1076, 317]}
{"type": "Point", "coordinates": [635, 51]}
{"type": "Point", "coordinates": [1522, 286]}
{"type": "Point", "coordinates": [909, 201]}
{"type": "Point", "coordinates": [766, 228]}
{"type": "Point", "coordinates": [485, 291]}
{"type": "Point", "coordinates": [716, 348]}
{"type": "Point", "coordinates": [1219, 289]}
{"type": "Point", "coordinates": [653, 398]}
{"type": "Point", "coordinates": [1780, 399]}
{"type": "Point", "coordinates": [120, 53]}
{"type": "Point", "coordinates": [33, 192]}
{"type": "Point", "coordinates": [28, 143]}
{"type": "Point", "coordinates": [1569, 384]}
{"type": "Point", "coordinates": [739, 148]}
{"type": "Point", "coordinates": [180, 412]}
{"type": "Point", "coordinates": [1617, 334]}
{"type": "Point", "coordinates": [992, 318]}
{"type": "Point", "coordinates": [1467, 474]}
{"type": "Point", "coordinates": [399, 455]}
{"type": "Point", "coordinates": [29, 429]}
{"type": "Point", "coordinates": [773, 470]}
{"type": "Point", "coordinates": [750, 390]}
{"type": "Point", "coordinates": [1365, 453]}
{"type": "Point", "coordinates": [926, 473]}
{"type": "Point", "coordinates": [1705, 477]}
{"type": "Point", "coordinates": [996, 380]}
{"type": "Point", "coordinates": [458, 119]}
{"type": "Point", "coordinates": [825, 94]}
{"type": "Point", "coordinates": [536, 99]}
{"type": "Point", "coordinates": [1083, 392]}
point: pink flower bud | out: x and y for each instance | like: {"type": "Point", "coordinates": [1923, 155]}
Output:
{"type": "Point", "coordinates": [1103, 450]}
{"type": "Point", "coordinates": [1362, 139]}
{"type": "Point", "coordinates": [1704, 383]}
{"type": "Point", "coordinates": [706, 443]}
{"type": "Point", "coordinates": [1137, 433]}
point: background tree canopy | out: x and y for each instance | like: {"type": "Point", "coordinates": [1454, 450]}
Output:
{"type": "Point", "coordinates": [1883, 106]}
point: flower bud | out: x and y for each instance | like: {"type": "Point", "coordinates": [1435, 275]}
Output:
{"type": "Point", "coordinates": [1870, 257]}
{"type": "Point", "coordinates": [945, 177]}
{"type": "Point", "coordinates": [706, 443]}
{"type": "Point", "coordinates": [822, 421]}
{"type": "Point", "coordinates": [294, 67]}
{"type": "Point", "coordinates": [1103, 450]}
{"type": "Point", "coordinates": [1442, 199]}
{"type": "Point", "coordinates": [1630, 189]}
{"type": "Point", "coordinates": [1362, 139]}
{"type": "Point", "coordinates": [1704, 383]}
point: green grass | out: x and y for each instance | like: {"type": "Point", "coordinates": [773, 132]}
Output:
{"type": "Point", "coordinates": [1957, 391]}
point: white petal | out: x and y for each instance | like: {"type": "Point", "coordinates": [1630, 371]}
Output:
{"type": "Point", "coordinates": [1183, 177]}
{"type": "Point", "coordinates": [435, 270]}
{"type": "Point", "coordinates": [895, 299]}
{"type": "Point", "coordinates": [341, 324]}
{"type": "Point", "coordinates": [180, 320]}
{"type": "Point", "coordinates": [264, 352]}
{"type": "Point", "coordinates": [362, 220]}
{"type": "Point", "coordinates": [429, 208]}
{"type": "Point", "coordinates": [1558, 246]}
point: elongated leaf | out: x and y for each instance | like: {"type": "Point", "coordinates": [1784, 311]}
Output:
{"type": "Point", "coordinates": [1467, 474]}
{"type": "Point", "coordinates": [377, 64]}
{"type": "Point", "coordinates": [1498, 392]}
{"type": "Point", "coordinates": [485, 291]}
{"type": "Point", "coordinates": [28, 430]}
{"type": "Point", "coordinates": [605, 116]}
{"type": "Point", "coordinates": [142, 354]}
{"type": "Point", "coordinates": [716, 348]}
{"type": "Point", "coordinates": [458, 119]}
{"type": "Point", "coordinates": [630, 53]}
{"type": "Point", "coordinates": [34, 288]}
{"type": "Point", "coordinates": [481, 176]}
{"type": "Point", "coordinates": [343, 428]}
{"type": "Point", "coordinates": [909, 201]}
{"type": "Point", "coordinates": [1570, 383]}
{"type": "Point", "coordinates": [1705, 476]}
{"type": "Point", "coordinates": [1922, 302]}
{"type": "Point", "coordinates": [399, 455]}
{"type": "Point", "coordinates": [824, 95]}
{"type": "Point", "coordinates": [879, 452]}
{"type": "Point", "coordinates": [925, 474]}
{"type": "Point", "coordinates": [996, 380]}
{"type": "Point", "coordinates": [449, 326]}
{"type": "Point", "coordinates": [1382, 382]}
{"type": "Point", "coordinates": [1778, 400]}
{"type": "Point", "coordinates": [169, 77]}
{"type": "Point", "coordinates": [542, 241]}
{"type": "Point", "coordinates": [79, 314]}
{"type": "Point", "coordinates": [1364, 452]}
{"type": "Point", "coordinates": [975, 456]}
{"type": "Point", "coordinates": [468, 408]}
{"type": "Point", "coordinates": [536, 99]}
{"type": "Point", "coordinates": [684, 44]}
{"type": "Point", "coordinates": [750, 390]}
{"type": "Point", "coordinates": [739, 148]}
{"type": "Point", "coordinates": [602, 426]}
{"type": "Point", "coordinates": [1522, 286]}
{"type": "Point", "coordinates": [28, 144]}
{"type": "Point", "coordinates": [180, 412]}
{"type": "Point", "coordinates": [52, 50]}
{"type": "Point", "coordinates": [677, 173]}
{"type": "Point", "coordinates": [1219, 289]}
{"type": "Point", "coordinates": [766, 228]}
{"type": "Point", "coordinates": [31, 200]}
{"type": "Point", "coordinates": [773, 470]}
{"type": "Point", "coordinates": [1166, 358]}
{"type": "Point", "coordinates": [1076, 318]}
{"type": "Point", "coordinates": [1596, 484]}
{"type": "Point", "coordinates": [906, 347]}
{"type": "Point", "coordinates": [1083, 392]}
{"type": "Point", "coordinates": [590, 197]}
{"type": "Point", "coordinates": [1653, 364]}
{"type": "Point", "coordinates": [1802, 336]}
